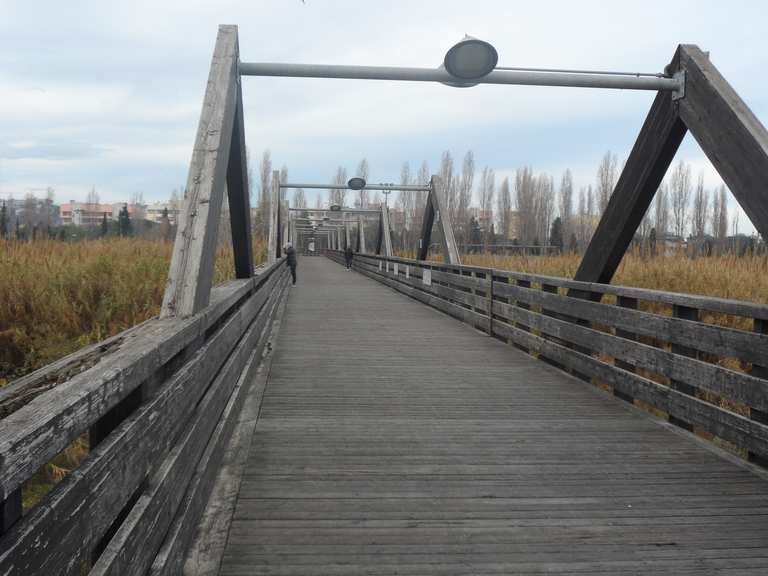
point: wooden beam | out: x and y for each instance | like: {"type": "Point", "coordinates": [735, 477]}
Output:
{"type": "Point", "coordinates": [379, 235]}
{"type": "Point", "coordinates": [383, 236]}
{"type": "Point", "coordinates": [386, 235]}
{"type": "Point", "coordinates": [273, 244]}
{"type": "Point", "coordinates": [730, 134]}
{"type": "Point", "coordinates": [646, 166]}
{"type": "Point", "coordinates": [360, 234]}
{"type": "Point", "coordinates": [433, 211]}
{"type": "Point", "coordinates": [238, 194]}
{"type": "Point", "coordinates": [427, 222]}
{"type": "Point", "coordinates": [190, 276]}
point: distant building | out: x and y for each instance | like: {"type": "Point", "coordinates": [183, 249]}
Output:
{"type": "Point", "coordinates": [154, 212]}
{"type": "Point", "coordinates": [85, 214]}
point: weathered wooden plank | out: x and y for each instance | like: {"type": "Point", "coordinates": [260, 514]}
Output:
{"type": "Point", "coordinates": [696, 374]}
{"type": "Point", "coordinates": [708, 303]}
{"type": "Point", "coordinates": [727, 425]}
{"type": "Point", "coordinates": [386, 233]}
{"type": "Point", "coordinates": [205, 553]}
{"type": "Point", "coordinates": [190, 277]}
{"type": "Point", "coordinates": [133, 548]}
{"type": "Point", "coordinates": [27, 438]}
{"type": "Point", "coordinates": [717, 340]}
{"type": "Point", "coordinates": [729, 133]}
{"type": "Point", "coordinates": [238, 193]}
{"type": "Point", "coordinates": [434, 210]}
{"type": "Point", "coordinates": [407, 443]}
{"type": "Point", "coordinates": [84, 505]}
{"type": "Point", "coordinates": [172, 554]}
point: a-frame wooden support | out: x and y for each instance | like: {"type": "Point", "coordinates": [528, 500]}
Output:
{"type": "Point", "coordinates": [728, 132]}
{"type": "Point", "coordinates": [218, 161]}
{"type": "Point", "coordinates": [384, 235]}
{"type": "Point", "coordinates": [434, 211]}
{"type": "Point", "coordinates": [361, 234]}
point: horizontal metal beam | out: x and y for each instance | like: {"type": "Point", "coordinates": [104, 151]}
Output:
{"type": "Point", "coordinates": [516, 77]}
{"type": "Point", "coordinates": [342, 211]}
{"type": "Point", "coordinates": [367, 187]}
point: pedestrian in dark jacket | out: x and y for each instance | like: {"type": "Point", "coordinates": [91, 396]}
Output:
{"type": "Point", "coordinates": [290, 252]}
{"type": "Point", "coordinates": [348, 257]}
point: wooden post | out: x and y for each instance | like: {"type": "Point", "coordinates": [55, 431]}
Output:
{"type": "Point", "coordinates": [273, 245]}
{"type": "Point", "coordinates": [659, 139]}
{"type": "Point", "coordinates": [692, 314]}
{"type": "Point", "coordinates": [760, 371]}
{"type": "Point", "coordinates": [729, 133]}
{"type": "Point", "coordinates": [386, 232]}
{"type": "Point", "coordinates": [489, 294]}
{"type": "Point", "coordinates": [432, 211]}
{"type": "Point", "coordinates": [10, 510]}
{"type": "Point", "coordinates": [190, 277]}
{"type": "Point", "coordinates": [625, 302]}
{"type": "Point", "coordinates": [361, 234]}
{"type": "Point", "coordinates": [238, 194]}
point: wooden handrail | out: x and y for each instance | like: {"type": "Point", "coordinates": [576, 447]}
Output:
{"type": "Point", "coordinates": [707, 378]}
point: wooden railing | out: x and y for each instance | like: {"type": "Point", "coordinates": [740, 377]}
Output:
{"type": "Point", "coordinates": [699, 360]}
{"type": "Point", "coordinates": [156, 405]}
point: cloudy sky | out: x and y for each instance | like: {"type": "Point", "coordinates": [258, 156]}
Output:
{"type": "Point", "coordinates": [107, 94]}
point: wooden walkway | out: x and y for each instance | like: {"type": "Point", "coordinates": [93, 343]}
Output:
{"type": "Point", "coordinates": [393, 439]}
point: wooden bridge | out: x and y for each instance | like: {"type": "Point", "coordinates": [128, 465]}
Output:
{"type": "Point", "coordinates": [409, 416]}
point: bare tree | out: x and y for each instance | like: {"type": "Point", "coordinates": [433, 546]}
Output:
{"type": "Point", "coordinates": [504, 210]}
{"type": "Point", "coordinates": [680, 196]}
{"type": "Point", "coordinates": [299, 198]}
{"type": "Point", "coordinates": [339, 196]}
{"type": "Point", "coordinates": [700, 215]}
{"type": "Point", "coordinates": [487, 191]}
{"type": "Point", "coordinates": [661, 212]}
{"type": "Point", "coordinates": [265, 189]}
{"type": "Point", "coordinates": [545, 206]}
{"type": "Point", "coordinates": [362, 199]}
{"type": "Point", "coordinates": [722, 214]}
{"type": "Point", "coordinates": [446, 179]}
{"type": "Point", "coordinates": [92, 199]}
{"type": "Point", "coordinates": [582, 227]}
{"type": "Point", "coordinates": [465, 186]}
{"type": "Point", "coordinates": [525, 199]}
{"type": "Point", "coordinates": [405, 205]}
{"type": "Point", "coordinates": [566, 204]}
{"type": "Point", "coordinates": [283, 180]}
{"type": "Point", "coordinates": [606, 180]}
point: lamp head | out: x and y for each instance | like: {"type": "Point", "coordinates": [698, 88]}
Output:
{"type": "Point", "coordinates": [470, 59]}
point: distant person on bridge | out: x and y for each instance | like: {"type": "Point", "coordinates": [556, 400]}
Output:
{"type": "Point", "coordinates": [348, 254]}
{"type": "Point", "coordinates": [290, 252]}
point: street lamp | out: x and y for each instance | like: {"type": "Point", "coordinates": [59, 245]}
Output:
{"type": "Point", "coordinates": [471, 59]}
{"type": "Point", "coordinates": [470, 62]}
{"type": "Point", "coordinates": [356, 183]}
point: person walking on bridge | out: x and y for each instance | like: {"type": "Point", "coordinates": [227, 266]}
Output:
{"type": "Point", "coordinates": [290, 252]}
{"type": "Point", "coordinates": [348, 254]}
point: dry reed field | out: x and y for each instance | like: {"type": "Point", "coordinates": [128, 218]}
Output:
{"type": "Point", "coordinates": [56, 297]}
{"type": "Point", "coordinates": [728, 276]}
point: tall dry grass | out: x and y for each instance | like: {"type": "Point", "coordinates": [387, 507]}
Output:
{"type": "Point", "coordinates": [738, 278]}
{"type": "Point", "coordinates": [56, 297]}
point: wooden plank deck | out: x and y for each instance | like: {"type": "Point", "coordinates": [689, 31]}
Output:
{"type": "Point", "coordinates": [393, 439]}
